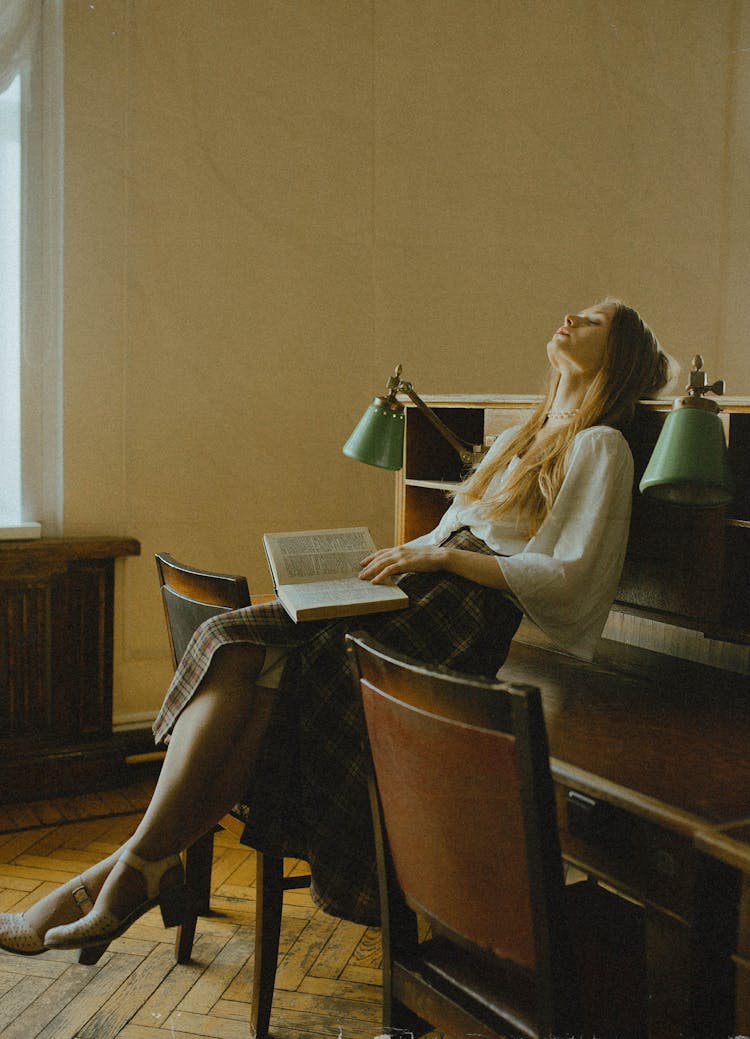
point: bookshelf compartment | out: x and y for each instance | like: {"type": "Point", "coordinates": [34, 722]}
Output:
{"type": "Point", "coordinates": [428, 455]}
{"type": "Point", "coordinates": [423, 510]}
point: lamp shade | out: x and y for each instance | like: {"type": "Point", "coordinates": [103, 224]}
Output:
{"type": "Point", "coordinates": [378, 437]}
{"type": "Point", "coordinates": [689, 464]}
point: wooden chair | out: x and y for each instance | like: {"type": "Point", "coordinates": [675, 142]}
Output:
{"type": "Point", "coordinates": [466, 834]}
{"type": "Point", "coordinates": [190, 597]}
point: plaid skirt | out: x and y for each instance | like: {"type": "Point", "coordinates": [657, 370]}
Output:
{"type": "Point", "coordinates": [308, 796]}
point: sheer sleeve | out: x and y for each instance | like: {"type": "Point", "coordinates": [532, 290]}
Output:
{"type": "Point", "coordinates": [566, 577]}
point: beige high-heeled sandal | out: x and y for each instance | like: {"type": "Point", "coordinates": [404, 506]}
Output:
{"type": "Point", "coordinates": [18, 936]}
{"type": "Point", "coordinates": [100, 927]}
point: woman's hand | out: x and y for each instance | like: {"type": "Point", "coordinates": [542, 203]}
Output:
{"type": "Point", "coordinates": [388, 562]}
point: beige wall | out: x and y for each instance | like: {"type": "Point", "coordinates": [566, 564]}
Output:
{"type": "Point", "coordinates": [268, 203]}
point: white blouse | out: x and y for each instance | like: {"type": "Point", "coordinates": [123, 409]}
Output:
{"type": "Point", "coordinates": [565, 577]}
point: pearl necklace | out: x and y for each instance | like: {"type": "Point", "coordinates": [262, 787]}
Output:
{"type": "Point", "coordinates": [562, 414]}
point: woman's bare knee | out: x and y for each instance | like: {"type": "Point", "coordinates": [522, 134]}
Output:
{"type": "Point", "coordinates": [236, 664]}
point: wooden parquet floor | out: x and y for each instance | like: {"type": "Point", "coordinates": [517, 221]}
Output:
{"type": "Point", "coordinates": [328, 982]}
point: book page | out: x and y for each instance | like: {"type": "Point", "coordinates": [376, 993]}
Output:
{"type": "Point", "coordinates": [317, 555]}
{"type": "Point", "coordinates": [343, 592]}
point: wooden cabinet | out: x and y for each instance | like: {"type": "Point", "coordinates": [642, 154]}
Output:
{"type": "Point", "coordinates": [690, 565]}
{"type": "Point", "coordinates": [686, 566]}
{"type": "Point", "coordinates": [56, 634]}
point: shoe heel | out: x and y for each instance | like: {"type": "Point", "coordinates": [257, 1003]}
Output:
{"type": "Point", "coordinates": [88, 957]}
{"type": "Point", "coordinates": [173, 903]}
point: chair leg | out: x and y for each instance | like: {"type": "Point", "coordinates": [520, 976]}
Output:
{"type": "Point", "coordinates": [199, 860]}
{"type": "Point", "coordinates": [269, 901]}
{"type": "Point", "coordinates": [198, 863]}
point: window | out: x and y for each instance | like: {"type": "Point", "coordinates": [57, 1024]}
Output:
{"type": "Point", "coordinates": [10, 302]}
{"type": "Point", "coordinates": [30, 267]}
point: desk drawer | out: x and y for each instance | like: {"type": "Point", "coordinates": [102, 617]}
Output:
{"type": "Point", "coordinates": [635, 856]}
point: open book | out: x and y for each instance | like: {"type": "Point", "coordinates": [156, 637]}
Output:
{"type": "Point", "coordinates": [315, 574]}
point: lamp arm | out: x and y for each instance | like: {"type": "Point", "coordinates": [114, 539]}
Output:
{"type": "Point", "coordinates": [467, 452]}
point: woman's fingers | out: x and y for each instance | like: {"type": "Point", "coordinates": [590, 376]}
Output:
{"type": "Point", "coordinates": [388, 562]}
{"type": "Point", "coordinates": [373, 566]}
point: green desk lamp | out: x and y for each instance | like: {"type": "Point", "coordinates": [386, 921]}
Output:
{"type": "Point", "coordinates": [689, 465]}
{"type": "Point", "coordinates": [378, 437]}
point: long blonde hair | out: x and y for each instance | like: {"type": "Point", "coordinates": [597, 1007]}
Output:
{"type": "Point", "coordinates": [634, 367]}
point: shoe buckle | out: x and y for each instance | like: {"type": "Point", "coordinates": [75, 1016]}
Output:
{"type": "Point", "coordinates": [82, 899]}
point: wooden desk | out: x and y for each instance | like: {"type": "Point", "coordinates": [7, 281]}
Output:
{"type": "Point", "coordinates": [656, 763]}
{"type": "Point", "coordinates": [732, 846]}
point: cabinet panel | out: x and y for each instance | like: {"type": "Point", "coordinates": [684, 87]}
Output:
{"type": "Point", "coordinates": [84, 648]}
{"type": "Point", "coordinates": [57, 633]}
{"type": "Point", "coordinates": [56, 628]}
{"type": "Point", "coordinates": [675, 561]}
{"type": "Point", "coordinates": [24, 661]}
{"type": "Point", "coordinates": [739, 460]}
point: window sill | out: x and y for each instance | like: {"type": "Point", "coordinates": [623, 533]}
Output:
{"type": "Point", "coordinates": [20, 531]}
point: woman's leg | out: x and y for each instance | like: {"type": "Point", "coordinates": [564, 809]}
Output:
{"type": "Point", "coordinates": [206, 770]}
{"type": "Point", "coordinates": [211, 754]}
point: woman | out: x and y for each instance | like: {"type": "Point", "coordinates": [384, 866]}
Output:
{"type": "Point", "coordinates": [540, 528]}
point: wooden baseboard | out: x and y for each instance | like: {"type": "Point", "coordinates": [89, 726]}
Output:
{"type": "Point", "coordinates": [29, 773]}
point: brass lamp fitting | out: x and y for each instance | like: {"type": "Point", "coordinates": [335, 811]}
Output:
{"type": "Point", "coordinates": [470, 454]}
{"type": "Point", "coordinates": [697, 387]}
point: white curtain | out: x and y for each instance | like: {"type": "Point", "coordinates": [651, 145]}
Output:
{"type": "Point", "coordinates": [19, 24]}
{"type": "Point", "coordinates": [18, 20]}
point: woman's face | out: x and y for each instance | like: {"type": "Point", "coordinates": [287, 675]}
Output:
{"type": "Point", "coordinates": [579, 344]}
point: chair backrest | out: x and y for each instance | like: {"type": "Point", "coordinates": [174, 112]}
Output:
{"type": "Point", "coordinates": [465, 807]}
{"type": "Point", "coordinates": [192, 596]}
